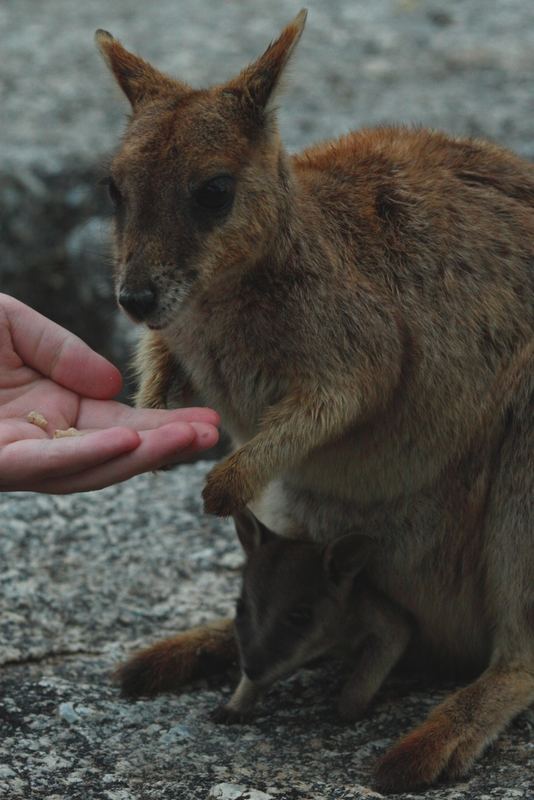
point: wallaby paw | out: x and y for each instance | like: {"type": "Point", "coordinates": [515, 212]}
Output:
{"type": "Point", "coordinates": [227, 489]}
{"type": "Point", "coordinates": [416, 761]}
{"type": "Point", "coordinates": [225, 715]}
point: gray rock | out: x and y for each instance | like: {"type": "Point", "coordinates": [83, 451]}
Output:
{"type": "Point", "coordinates": [232, 791]}
{"type": "Point", "coordinates": [67, 713]}
{"type": "Point", "coordinates": [87, 579]}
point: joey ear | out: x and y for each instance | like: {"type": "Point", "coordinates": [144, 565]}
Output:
{"type": "Point", "coordinates": [258, 82]}
{"type": "Point", "coordinates": [251, 532]}
{"type": "Point", "coordinates": [347, 556]}
{"type": "Point", "coordinates": [138, 79]}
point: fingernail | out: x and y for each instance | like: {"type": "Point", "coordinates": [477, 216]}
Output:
{"type": "Point", "coordinates": [205, 431]}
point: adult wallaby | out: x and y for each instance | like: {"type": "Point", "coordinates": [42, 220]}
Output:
{"type": "Point", "coordinates": [300, 601]}
{"type": "Point", "coordinates": [361, 314]}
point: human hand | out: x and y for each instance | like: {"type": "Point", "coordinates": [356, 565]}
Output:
{"type": "Point", "coordinates": [46, 369]}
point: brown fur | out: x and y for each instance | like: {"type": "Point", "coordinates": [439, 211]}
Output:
{"type": "Point", "coordinates": [172, 662]}
{"type": "Point", "coordinates": [362, 317]}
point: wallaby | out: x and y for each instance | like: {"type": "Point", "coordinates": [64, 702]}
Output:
{"type": "Point", "coordinates": [300, 601]}
{"type": "Point", "coordinates": [361, 314]}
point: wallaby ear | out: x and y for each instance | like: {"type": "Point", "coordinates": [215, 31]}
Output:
{"type": "Point", "coordinates": [260, 79]}
{"type": "Point", "coordinates": [137, 78]}
{"type": "Point", "coordinates": [347, 556]}
{"type": "Point", "coordinates": [251, 532]}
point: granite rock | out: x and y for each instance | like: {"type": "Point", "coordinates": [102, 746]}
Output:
{"type": "Point", "coordinates": [87, 579]}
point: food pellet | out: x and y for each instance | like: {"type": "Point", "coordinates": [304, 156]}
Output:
{"type": "Point", "coordinates": [59, 434]}
{"type": "Point", "coordinates": [37, 419]}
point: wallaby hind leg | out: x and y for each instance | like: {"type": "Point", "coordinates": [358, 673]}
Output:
{"type": "Point", "coordinates": [458, 730]}
{"type": "Point", "coordinates": [169, 663]}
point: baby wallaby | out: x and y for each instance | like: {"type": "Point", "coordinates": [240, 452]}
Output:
{"type": "Point", "coordinates": [300, 601]}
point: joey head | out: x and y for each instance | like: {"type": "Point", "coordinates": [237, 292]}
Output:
{"type": "Point", "coordinates": [300, 601]}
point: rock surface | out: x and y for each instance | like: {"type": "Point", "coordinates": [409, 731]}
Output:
{"type": "Point", "coordinates": [86, 579]}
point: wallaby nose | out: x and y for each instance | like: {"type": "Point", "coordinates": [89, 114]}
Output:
{"type": "Point", "coordinates": [139, 303]}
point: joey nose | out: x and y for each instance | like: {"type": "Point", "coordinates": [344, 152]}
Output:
{"type": "Point", "coordinates": [139, 303]}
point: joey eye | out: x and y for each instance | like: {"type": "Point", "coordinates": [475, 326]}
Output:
{"type": "Point", "coordinates": [300, 617]}
{"type": "Point", "coordinates": [113, 191]}
{"type": "Point", "coordinates": [217, 194]}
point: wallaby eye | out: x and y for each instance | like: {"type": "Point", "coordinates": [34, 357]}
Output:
{"type": "Point", "coordinates": [114, 192]}
{"type": "Point", "coordinates": [300, 617]}
{"type": "Point", "coordinates": [217, 194]}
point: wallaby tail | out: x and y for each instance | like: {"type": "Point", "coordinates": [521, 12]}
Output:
{"type": "Point", "coordinates": [169, 663]}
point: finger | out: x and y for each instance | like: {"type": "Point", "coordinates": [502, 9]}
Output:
{"type": "Point", "coordinates": [159, 447]}
{"type": "Point", "coordinates": [31, 461]}
{"type": "Point", "coordinates": [103, 413]}
{"type": "Point", "coordinates": [59, 354]}
{"type": "Point", "coordinates": [207, 436]}
{"type": "Point", "coordinates": [15, 430]}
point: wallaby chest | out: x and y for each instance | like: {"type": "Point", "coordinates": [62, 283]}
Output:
{"type": "Point", "coordinates": [231, 357]}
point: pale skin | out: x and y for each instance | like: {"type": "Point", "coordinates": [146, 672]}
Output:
{"type": "Point", "coordinates": [46, 369]}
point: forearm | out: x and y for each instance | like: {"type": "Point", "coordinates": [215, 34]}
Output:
{"type": "Point", "coordinates": [330, 396]}
{"type": "Point", "coordinates": [303, 421]}
{"type": "Point", "coordinates": [296, 426]}
{"type": "Point", "coordinates": [339, 394]}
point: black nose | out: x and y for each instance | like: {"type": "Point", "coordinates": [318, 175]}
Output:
{"type": "Point", "coordinates": [139, 303]}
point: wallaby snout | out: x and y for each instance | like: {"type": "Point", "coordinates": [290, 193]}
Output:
{"type": "Point", "coordinates": [140, 303]}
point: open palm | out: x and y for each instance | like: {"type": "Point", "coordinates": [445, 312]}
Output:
{"type": "Point", "coordinates": [47, 370]}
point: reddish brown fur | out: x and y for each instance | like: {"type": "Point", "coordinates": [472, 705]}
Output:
{"type": "Point", "coordinates": [454, 734]}
{"type": "Point", "coordinates": [362, 317]}
{"type": "Point", "coordinates": [172, 662]}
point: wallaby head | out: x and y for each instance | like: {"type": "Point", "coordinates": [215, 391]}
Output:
{"type": "Point", "coordinates": [294, 599]}
{"type": "Point", "coordinates": [200, 182]}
